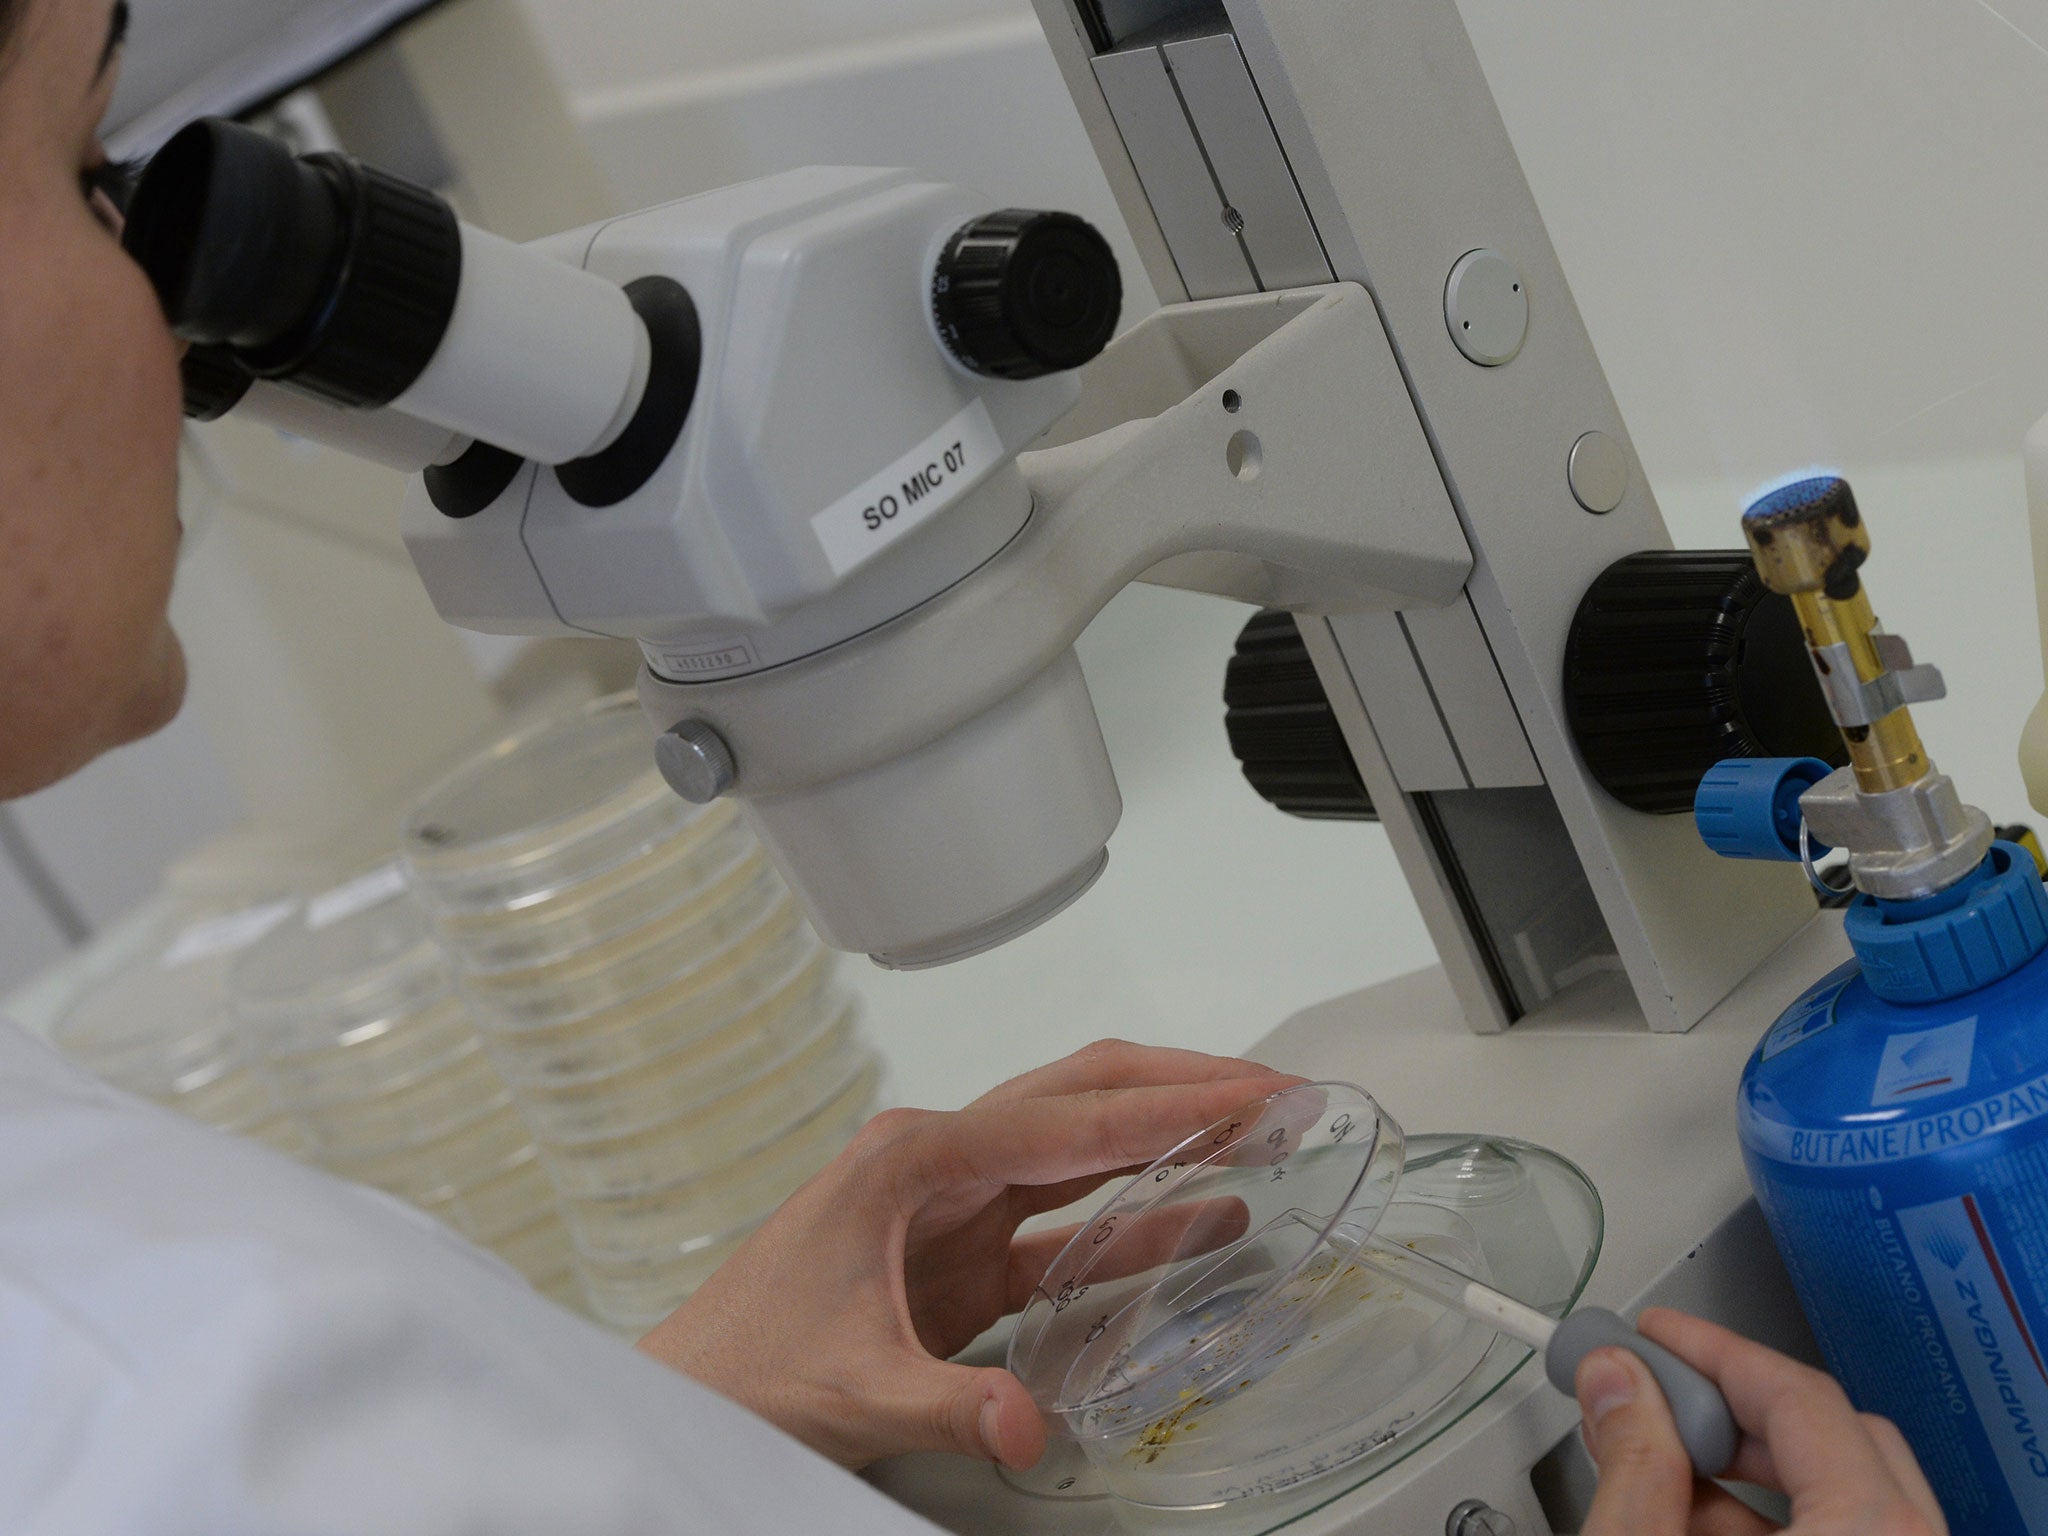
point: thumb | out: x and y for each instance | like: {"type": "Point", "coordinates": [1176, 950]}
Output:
{"type": "Point", "coordinates": [1645, 1477]}
{"type": "Point", "coordinates": [932, 1406]}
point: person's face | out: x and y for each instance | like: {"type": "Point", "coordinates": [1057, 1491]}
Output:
{"type": "Point", "coordinates": [89, 419]}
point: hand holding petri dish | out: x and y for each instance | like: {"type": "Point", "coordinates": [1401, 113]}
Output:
{"type": "Point", "coordinates": [1236, 1322]}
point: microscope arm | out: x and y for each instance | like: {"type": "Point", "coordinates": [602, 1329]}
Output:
{"type": "Point", "coordinates": [967, 719]}
{"type": "Point", "coordinates": [1333, 518]}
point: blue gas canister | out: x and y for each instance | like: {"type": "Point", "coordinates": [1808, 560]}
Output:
{"type": "Point", "coordinates": [1895, 1125]}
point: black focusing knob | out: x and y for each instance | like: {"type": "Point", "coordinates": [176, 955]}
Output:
{"type": "Point", "coordinates": [1282, 728]}
{"type": "Point", "coordinates": [1019, 294]}
{"type": "Point", "coordinates": [1678, 659]}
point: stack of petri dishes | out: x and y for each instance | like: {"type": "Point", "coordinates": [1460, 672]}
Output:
{"type": "Point", "coordinates": [355, 1026]}
{"type": "Point", "coordinates": [157, 1024]}
{"type": "Point", "coordinates": [671, 1027]}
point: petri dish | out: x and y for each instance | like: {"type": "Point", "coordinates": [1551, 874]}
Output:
{"type": "Point", "coordinates": [712, 1008]}
{"type": "Point", "coordinates": [682, 1136]}
{"type": "Point", "coordinates": [373, 1058]}
{"type": "Point", "coordinates": [1216, 1336]}
{"type": "Point", "coordinates": [158, 1024]}
{"type": "Point", "coordinates": [634, 1294]}
{"type": "Point", "coordinates": [464, 1158]}
{"type": "Point", "coordinates": [547, 807]}
{"type": "Point", "coordinates": [351, 1011]}
{"type": "Point", "coordinates": [158, 1029]}
{"type": "Point", "coordinates": [283, 1134]}
{"type": "Point", "coordinates": [540, 1250]}
{"type": "Point", "coordinates": [329, 975]}
{"type": "Point", "coordinates": [667, 1219]}
{"type": "Point", "coordinates": [415, 1112]}
{"type": "Point", "coordinates": [635, 963]}
{"type": "Point", "coordinates": [564, 1290]}
{"type": "Point", "coordinates": [514, 1196]}
{"type": "Point", "coordinates": [600, 909]}
{"type": "Point", "coordinates": [236, 1101]}
{"type": "Point", "coordinates": [787, 1036]}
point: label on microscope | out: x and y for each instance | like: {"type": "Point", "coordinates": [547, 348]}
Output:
{"type": "Point", "coordinates": [910, 492]}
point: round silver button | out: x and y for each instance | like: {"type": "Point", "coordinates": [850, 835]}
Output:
{"type": "Point", "coordinates": [1475, 1517]}
{"type": "Point", "coordinates": [696, 761]}
{"type": "Point", "coordinates": [1486, 307]}
{"type": "Point", "coordinates": [1598, 472]}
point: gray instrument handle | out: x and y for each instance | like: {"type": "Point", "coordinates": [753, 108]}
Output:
{"type": "Point", "coordinates": [1704, 1422]}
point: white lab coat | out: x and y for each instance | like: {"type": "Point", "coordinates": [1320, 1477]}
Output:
{"type": "Point", "coordinates": [199, 1337]}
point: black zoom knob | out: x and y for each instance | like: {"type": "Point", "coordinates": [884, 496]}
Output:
{"type": "Point", "coordinates": [1678, 659]}
{"type": "Point", "coordinates": [1282, 729]}
{"type": "Point", "coordinates": [1019, 294]}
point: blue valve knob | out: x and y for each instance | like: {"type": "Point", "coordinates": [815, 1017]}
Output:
{"type": "Point", "coordinates": [1748, 807]}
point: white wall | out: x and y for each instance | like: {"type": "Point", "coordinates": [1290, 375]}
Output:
{"type": "Point", "coordinates": [1804, 230]}
{"type": "Point", "coordinates": [1812, 233]}
{"type": "Point", "coordinates": [603, 47]}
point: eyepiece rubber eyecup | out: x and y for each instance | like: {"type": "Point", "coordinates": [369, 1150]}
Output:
{"type": "Point", "coordinates": [238, 238]}
{"type": "Point", "coordinates": [319, 270]}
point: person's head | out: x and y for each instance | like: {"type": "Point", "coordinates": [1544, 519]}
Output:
{"type": "Point", "coordinates": [89, 417]}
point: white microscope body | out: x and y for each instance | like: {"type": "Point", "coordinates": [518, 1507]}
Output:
{"type": "Point", "coordinates": [856, 556]}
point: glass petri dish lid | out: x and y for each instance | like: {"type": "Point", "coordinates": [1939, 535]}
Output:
{"type": "Point", "coordinates": [373, 1060]}
{"type": "Point", "coordinates": [543, 809]}
{"type": "Point", "coordinates": [1203, 1265]}
{"type": "Point", "coordinates": [596, 911]}
{"type": "Point", "coordinates": [674, 1217]}
{"type": "Point", "coordinates": [414, 1114]}
{"type": "Point", "coordinates": [684, 1140]}
{"type": "Point", "coordinates": [336, 975]}
{"type": "Point", "coordinates": [707, 1008]}
{"type": "Point", "coordinates": [615, 974]}
{"type": "Point", "coordinates": [156, 1030]}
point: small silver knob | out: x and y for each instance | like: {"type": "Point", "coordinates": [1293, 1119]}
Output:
{"type": "Point", "coordinates": [1476, 1517]}
{"type": "Point", "coordinates": [696, 761]}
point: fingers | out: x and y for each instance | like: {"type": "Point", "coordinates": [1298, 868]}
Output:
{"type": "Point", "coordinates": [1815, 1443]}
{"type": "Point", "coordinates": [1646, 1482]}
{"type": "Point", "coordinates": [1905, 1469]}
{"type": "Point", "coordinates": [1036, 1199]}
{"type": "Point", "coordinates": [1157, 1238]}
{"type": "Point", "coordinates": [1049, 1140]}
{"type": "Point", "coordinates": [1717, 1512]}
{"type": "Point", "coordinates": [1120, 1064]}
{"type": "Point", "coordinates": [928, 1405]}
{"type": "Point", "coordinates": [1809, 1442]}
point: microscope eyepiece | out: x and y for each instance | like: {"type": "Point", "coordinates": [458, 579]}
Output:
{"type": "Point", "coordinates": [318, 270]}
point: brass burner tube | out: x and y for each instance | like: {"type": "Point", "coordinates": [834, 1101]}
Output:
{"type": "Point", "coordinates": [1809, 541]}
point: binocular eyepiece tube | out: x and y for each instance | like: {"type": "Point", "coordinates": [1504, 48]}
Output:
{"type": "Point", "coordinates": [369, 294]}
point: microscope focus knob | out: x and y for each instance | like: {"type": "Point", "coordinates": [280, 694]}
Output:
{"type": "Point", "coordinates": [1282, 729]}
{"type": "Point", "coordinates": [1019, 294]}
{"type": "Point", "coordinates": [1679, 659]}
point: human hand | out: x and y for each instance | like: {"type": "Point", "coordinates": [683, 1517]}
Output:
{"type": "Point", "coordinates": [1846, 1473]}
{"type": "Point", "coordinates": [834, 1321]}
